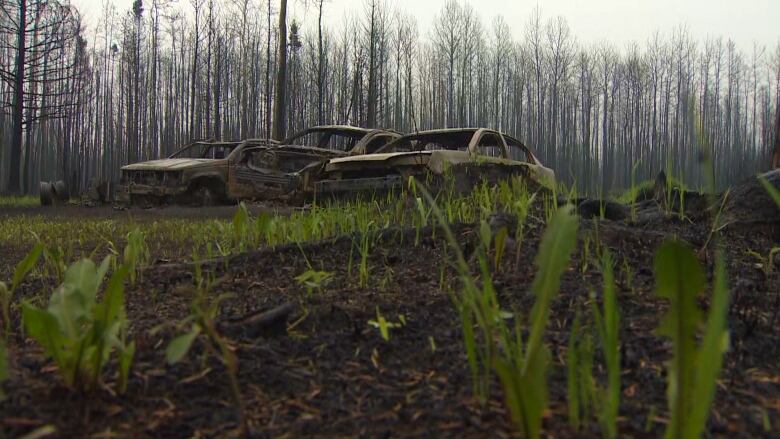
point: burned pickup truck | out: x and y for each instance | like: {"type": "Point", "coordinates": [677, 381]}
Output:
{"type": "Point", "coordinates": [196, 174]}
{"type": "Point", "coordinates": [471, 155]}
{"type": "Point", "coordinates": [207, 173]}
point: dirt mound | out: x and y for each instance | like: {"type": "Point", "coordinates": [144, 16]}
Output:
{"type": "Point", "coordinates": [750, 201]}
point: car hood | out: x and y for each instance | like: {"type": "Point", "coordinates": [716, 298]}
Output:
{"type": "Point", "coordinates": [385, 156]}
{"type": "Point", "coordinates": [436, 161]}
{"type": "Point", "coordinates": [313, 150]}
{"type": "Point", "coordinates": [170, 164]}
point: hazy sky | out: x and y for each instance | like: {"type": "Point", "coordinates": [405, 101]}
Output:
{"type": "Point", "coordinates": [619, 21]}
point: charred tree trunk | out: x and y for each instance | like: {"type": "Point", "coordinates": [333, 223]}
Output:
{"type": "Point", "coordinates": [17, 118]}
{"type": "Point", "coordinates": [280, 100]}
{"type": "Point", "coordinates": [776, 154]}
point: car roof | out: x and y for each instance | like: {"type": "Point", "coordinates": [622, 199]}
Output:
{"type": "Point", "coordinates": [213, 142]}
{"type": "Point", "coordinates": [446, 131]}
{"type": "Point", "coordinates": [346, 128]}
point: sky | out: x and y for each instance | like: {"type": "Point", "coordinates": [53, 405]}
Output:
{"type": "Point", "coordinates": [618, 21]}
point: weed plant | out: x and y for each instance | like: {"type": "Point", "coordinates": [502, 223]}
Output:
{"type": "Point", "coordinates": [23, 268]}
{"type": "Point", "coordinates": [78, 331]}
{"type": "Point", "coordinates": [579, 364]}
{"type": "Point", "coordinates": [202, 322]}
{"type": "Point", "coordinates": [15, 201]}
{"type": "Point", "coordinates": [521, 363]}
{"type": "Point", "coordinates": [607, 321]}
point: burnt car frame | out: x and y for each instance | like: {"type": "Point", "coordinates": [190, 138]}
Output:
{"type": "Point", "coordinates": [208, 172]}
{"type": "Point", "coordinates": [471, 155]}
{"type": "Point", "coordinates": [287, 170]}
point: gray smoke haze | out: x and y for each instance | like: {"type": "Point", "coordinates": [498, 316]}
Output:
{"type": "Point", "coordinates": [618, 21]}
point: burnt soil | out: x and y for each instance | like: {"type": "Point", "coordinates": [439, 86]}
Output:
{"type": "Point", "coordinates": [331, 374]}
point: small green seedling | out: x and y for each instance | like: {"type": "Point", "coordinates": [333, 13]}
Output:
{"type": "Point", "coordinates": [385, 326]}
{"type": "Point", "coordinates": [136, 253]}
{"type": "Point", "coordinates": [608, 322]}
{"type": "Point", "coordinates": [765, 263]}
{"type": "Point", "coordinates": [23, 268]}
{"type": "Point", "coordinates": [773, 191]}
{"type": "Point", "coordinates": [313, 280]}
{"type": "Point", "coordinates": [4, 367]}
{"type": "Point", "coordinates": [241, 225]}
{"type": "Point", "coordinates": [203, 312]}
{"type": "Point", "coordinates": [579, 364]}
{"type": "Point", "coordinates": [523, 364]}
{"type": "Point", "coordinates": [79, 332]}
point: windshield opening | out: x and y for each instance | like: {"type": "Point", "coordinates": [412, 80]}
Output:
{"type": "Point", "coordinates": [453, 141]}
{"type": "Point", "coordinates": [327, 139]}
{"type": "Point", "coordinates": [205, 151]}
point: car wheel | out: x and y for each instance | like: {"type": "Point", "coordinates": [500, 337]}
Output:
{"type": "Point", "coordinates": [205, 197]}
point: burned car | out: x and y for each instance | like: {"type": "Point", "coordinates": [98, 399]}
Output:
{"type": "Point", "coordinates": [207, 172]}
{"type": "Point", "coordinates": [287, 170]}
{"type": "Point", "coordinates": [197, 173]}
{"type": "Point", "coordinates": [471, 155]}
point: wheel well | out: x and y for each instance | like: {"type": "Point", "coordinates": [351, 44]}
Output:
{"type": "Point", "coordinates": [214, 183]}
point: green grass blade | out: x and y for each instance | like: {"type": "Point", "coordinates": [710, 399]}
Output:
{"type": "Point", "coordinates": [710, 358]}
{"type": "Point", "coordinates": [679, 278]}
{"type": "Point", "coordinates": [555, 250]}
{"type": "Point", "coordinates": [773, 191]}
{"type": "Point", "coordinates": [26, 265]}
{"type": "Point", "coordinates": [609, 338]}
{"type": "Point", "coordinates": [179, 346]}
{"type": "Point", "coordinates": [4, 367]}
{"type": "Point", "coordinates": [572, 366]}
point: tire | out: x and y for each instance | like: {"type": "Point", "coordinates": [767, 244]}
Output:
{"type": "Point", "coordinates": [45, 192]}
{"type": "Point", "coordinates": [205, 197]}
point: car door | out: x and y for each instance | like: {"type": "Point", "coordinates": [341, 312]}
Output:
{"type": "Point", "coordinates": [527, 165]}
{"type": "Point", "coordinates": [255, 174]}
{"type": "Point", "coordinates": [489, 158]}
{"type": "Point", "coordinates": [373, 142]}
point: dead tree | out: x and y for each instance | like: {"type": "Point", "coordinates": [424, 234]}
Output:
{"type": "Point", "coordinates": [776, 154]}
{"type": "Point", "coordinates": [42, 35]}
{"type": "Point", "coordinates": [280, 99]}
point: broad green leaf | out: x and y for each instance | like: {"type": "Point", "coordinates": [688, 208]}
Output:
{"type": "Point", "coordinates": [179, 346]}
{"type": "Point", "coordinates": [38, 324]}
{"type": "Point", "coordinates": [679, 278]}
{"type": "Point", "coordinates": [26, 265]}
{"type": "Point", "coordinates": [114, 297]}
{"type": "Point", "coordinates": [43, 327]}
{"type": "Point", "coordinates": [83, 275]}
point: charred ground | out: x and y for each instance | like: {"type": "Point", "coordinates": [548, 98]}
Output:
{"type": "Point", "coordinates": [331, 374]}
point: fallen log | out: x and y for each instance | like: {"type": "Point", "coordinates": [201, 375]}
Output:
{"type": "Point", "coordinates": [262, 323]}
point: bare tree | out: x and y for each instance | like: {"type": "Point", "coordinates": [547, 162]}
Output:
{"type": "Point", "coordinates": [41, 36]}
{"type": "Point", "coordinates": [281, 76]}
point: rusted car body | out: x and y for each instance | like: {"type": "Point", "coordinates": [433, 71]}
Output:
{"type": "Point", "coordinates": [470, 154]}
{"type": "Point", "coordinates": [285, 171]}
{"type": "Point", "coordinates": [197, 173]}
{"type": "Point", "coordinates": [206, 172]}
